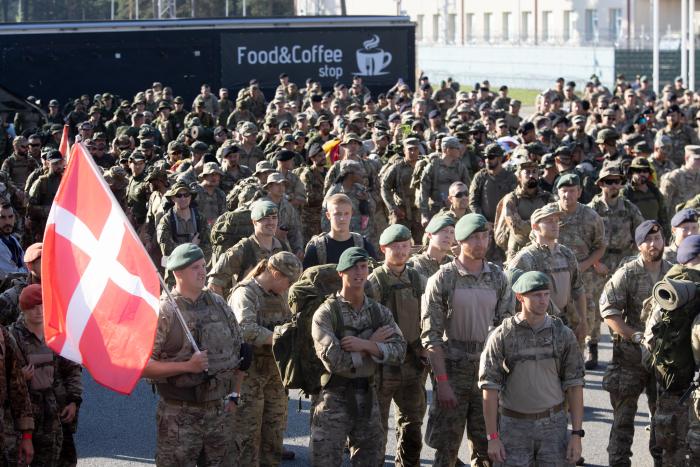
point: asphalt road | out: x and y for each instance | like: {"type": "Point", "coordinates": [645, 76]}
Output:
{"type": "Point", "coordinates": [119, 430]}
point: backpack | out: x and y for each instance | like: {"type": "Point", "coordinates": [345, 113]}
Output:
{"type": "Point", "coordinates": [230, 228]}
{"type": "Point", "coordinates": [671, 350]}
{"type": "Point", "coordinates": [292, 345]}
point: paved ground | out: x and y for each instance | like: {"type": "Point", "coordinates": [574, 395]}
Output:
{"type": "Point", "coordinates": [119, 431]}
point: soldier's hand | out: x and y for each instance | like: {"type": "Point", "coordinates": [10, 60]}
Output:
{"type": "Point", "coordinates": [497, 453]}
{"type": "Point", "coordinates": [382, 334]}
{"type": "Point", "coordinates": [230, 407]}
{"type": "Point", "coordinates": [195, 239]}
{"type": "Point", "coordinates": [581, 330]}
{"type": "Point", "coordinates": [601, 268]}
{"type": "Point", "coordinates": [25, 456]}
{"type": "Point", "coordinates": [68, 413]}
{"type": "Point", "coordinates": [424, 220]}
{"type": "Point", "coordinates": [446, 396]}
{"type": "Point", "coordinates": [199, 362]}
{"type": "Point", "coordinates": [353, 344]}
{"type": "Point", "coordinates": [573, 450]}
{"type": "Point", "coordinates": [28, 372]}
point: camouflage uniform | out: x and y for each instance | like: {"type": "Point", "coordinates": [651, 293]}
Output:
{"type": "Point", "coordinates": [453, 297]}
{"type": "Point", "coordinates": [404, 383]}
{"type": "Point", "coordinates": [347, 406]}
{"type": "Point", "coordinates": [693, 437]}
{"type": "Point", "coordinates": [290, 221]}
{"type": "Point", "coordinates": [435, 184]}
{"type": "Point", "coordinates": [619, 223]}
{"type": "Point", "coordinates": [172, 231]}
{"type": "Point", "coordinates": [625, 377]}
{"type": "Point", "coordinates": [210, 206]}
{"type": "Point", "coordinates": [397, 193]}
{"type": "Point", "coordinates": [41, 197]}
{"type": "Point", "coordinates": [486, 190]}
{"type": "Point", "coordinates": [262, 417]}
{"type": "Point", "coordinates": [583, 232]}
{"type": "Point", "coordinates": [19, 167]}
{"type": "Point", "coordinates": [513, 352]}
{"type": "Point", "coordinates": [425, 265]}
{"type": "Point", "coordinates": [230, 177]}
{"type": "Point", "coordinates": [192, 424]}
{"type": "Point", "coordinates": [681, 136]}
{"type": "Point", "coordinates": [137, 193]}
{"type": "Point", "coordinates": [50, 371]}
{"type": "Point", "coordinates": [661, 168]}
{"type": "Point", "coordinates": [517, 207]}
{"type": "Point", "coordinates": [295, 188]}
{"type": "Point", "coordinates": [560, 265]}
{"type": "Point", "coordinates": [252, 157]}
{"type": "Point", "coordinates": [231, 267]}
{"type": "Point", "coordinates": [312, 178]}
{"type": "Point", "coordinates": [678, 186]}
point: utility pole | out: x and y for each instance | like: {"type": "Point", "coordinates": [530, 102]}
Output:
{"type": "Point", "coordinates": [684, 41]}
{"type": "Point", "coordinates": [655, 36]}
{"type": "Point", "coordinates": [691, 44]}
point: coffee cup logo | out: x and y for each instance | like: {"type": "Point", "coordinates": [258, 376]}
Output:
{"type": "Point", "coordinates": [371, 60]}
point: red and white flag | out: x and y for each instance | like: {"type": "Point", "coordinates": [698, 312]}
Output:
{"type": "Point", "coordinates": [64, 146]}
{"type": "Point", "coordinates": [100, 288]}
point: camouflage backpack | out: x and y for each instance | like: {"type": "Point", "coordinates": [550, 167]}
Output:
{"type": "Point", "coordinates": [243, 193]}
{"type": "Point", "coordinates": [230, 228]}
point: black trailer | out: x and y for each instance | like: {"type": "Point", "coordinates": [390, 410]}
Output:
{"type": "Point", "coordinates": [63, 60]}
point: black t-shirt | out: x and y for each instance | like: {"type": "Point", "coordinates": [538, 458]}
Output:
{"type": "Point", "coordinates": [334, 249]}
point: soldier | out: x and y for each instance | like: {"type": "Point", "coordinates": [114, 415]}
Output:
{"type": "Point", "coordinates": [159, 184]}
{"type": "Point", "coordinates": [351, 334]}
{"type": "Point", "coordinates": [198, 389]}
{"type": "Point", "coordinates": [260, 304]}
{"type": "Point", "coordinates": [251, 153]}
{"type": "Point", "coordinates": [681, 184]}
{"type": "Point", "coordinates": [295, 189]}
{"type": "Point", "coordinates": [641, 190]}
{"type": "Point", "coordinates": [620, 218]}
{"type": "Point", "coordinates": [659, 160]}
{"type": "Point", "coordinates": [441, 238]}
{"type": "Point", "coordinates": [137, 191]}
{"type": "Point", "coordinates": [559, 264]}
{"type": "Point", "coordinates": [683, 224]}
{"type": "Point", "coordinates": [20, 164]}
{"type": "Point", "coordinates": [231, 267]}
{"type": "Point", "coordinates": [531, 382]}
{"type": "Point", "coordinates": [327, 247]}
{"type": "Point", "coordinates": [463, 301]}
{"type": "Point", "coordinates": [396, 191]}
{"type": "Point", "coordinates": [42, 193]}
{"type": "Point", "coordinates": [44, 373]}
{"type": "Point", "coordinates": [692, 260]}
{"type": "Point", "coordinates": [211, 200]}
{"type": "Point", "coordinates": [583, 231]}
{"type": "Point", "coordinates": [621, 307]}
{"type": "Point", "coordinates": [312, 178]}
{"type": "Point", "coordinates": [438, 176]}
{"type": "Point", "coordinates": [289, 223]}
{"type": "Point", "coordinates": [349, 183]}
{"type": "Point", "coordinates": [399, 287]}
{"type": "Point", "coordinates": [681, 135]}
{"type": "Point", "coordinates": [9, 298]}
{"type": "Point", "coordinates": [457, 202]}
{"type": "Point", "coordinates": [11, 253]}
{"type": "Point", "coordinates": [512, 224]}
{"type": "Point", "coordinates": [229, 155]}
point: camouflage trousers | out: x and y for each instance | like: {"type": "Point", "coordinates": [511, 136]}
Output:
{"type": "Point", "coordinates": [625, 379]}
{"type": "Point", "coordinates": [670, 428]}
{"type": "Point", "coordinates": [311, 222]}
{"type": "Point", "coordinates": [261, 418]}
{"type": "Point", "coordinates": [380, 221]}
{"type": "Point", "coordinates": [189, 435]}
{"type": "Point", "coordinates": [336, 419]}
{"type": "Point", "coordinates": [540, 442]}
{"type": "Point", "coordinates": [445, 427]}
{"type": "Point", "coordinates": [405, 385]}
{"type": "Point", "coordinates": [47, 436]}
{"type": "Point", "coordinates": [593, 285]}
{"type": "Point", "coordinates": [693, 437]}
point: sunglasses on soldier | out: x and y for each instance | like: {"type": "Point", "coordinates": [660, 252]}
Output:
{"type": "Point", "coordinates": [461, 194]}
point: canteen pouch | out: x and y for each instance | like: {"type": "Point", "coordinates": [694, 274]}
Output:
{"type": "Point", "coordinates": [43, 371]}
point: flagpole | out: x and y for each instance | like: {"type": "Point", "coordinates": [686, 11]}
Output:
{"type": "Point", "coordinates": [189, 335]}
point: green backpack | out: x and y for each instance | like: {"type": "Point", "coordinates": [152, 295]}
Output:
{"type": "Point", "coordinates": [228, 229]}
{"type": "Point", "coordinates": [292, 344]}
{"type": "Point", "coordinates": [671, 351]}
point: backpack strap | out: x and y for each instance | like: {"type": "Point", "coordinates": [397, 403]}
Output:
{"type": "Point", "coordinates": [249, 259]}
{"type": "Point", "coordinates": [448, 288]}
{"type": "Point", "coordinates": [357, 240]}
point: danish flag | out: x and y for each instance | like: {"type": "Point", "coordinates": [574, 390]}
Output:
{"type": "Point", "coordinates": [64, 147]}
{"type": "Point", "coordinates": [100, 288]}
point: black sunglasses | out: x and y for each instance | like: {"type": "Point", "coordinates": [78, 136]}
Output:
{"type": "Point", "coordinates": [183, 195]}
{"type": "Point", "coordinates": [612, 181]}
{"type": "Point", "coordinates": [461, 194]}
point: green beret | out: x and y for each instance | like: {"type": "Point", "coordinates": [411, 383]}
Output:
{"type": "Point", "coordinates": [261, 209]}
{"type": "Point", "coordinates": [395, 233]}
{"type": "Point", "coordinates": [184, 255]}
{"type": "Point", "coordinates": [469, 224]}
{"type": "Point", "coordinates": [531, 281]}
{"type": "Point", "coordinates": [350, 257]}
{"type": "Point", "coordinates": [568, 180]}
{"type": "Point", "coordinates": [437, 223]}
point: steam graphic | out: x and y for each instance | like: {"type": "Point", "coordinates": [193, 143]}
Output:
{"type": "Point", "coordinates": [371, 60]}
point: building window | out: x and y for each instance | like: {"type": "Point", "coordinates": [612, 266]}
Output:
{"type": "Point", "coordinates": [591, 30]}
{"type": "Point", "coordinates": [505, 26]}
{"type": "Point", "coordinates": [546, 24]}
{"type": "Point", "coordinates": [567, 26]}
{"type": "Point", "coordinates": [615, 23]}
{"type": "Point", "coordinates": [525, 26]}
{"type": "Point", "coordinates": [436, 28]}
{"type": "Point", "coordinates": [419, 27]}
{"type": "Point", "coordinates": [469, 26]}
{"type": "Point", "coordinates": [487, 27]}
{"type": "Point", "coordinates": [452, 29]}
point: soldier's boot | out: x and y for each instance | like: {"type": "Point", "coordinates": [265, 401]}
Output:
{"type": "Point", "coordinates": [592, 360]}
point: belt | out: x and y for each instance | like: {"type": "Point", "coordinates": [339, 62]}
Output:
{"type": "Point", "coordinates": [335, 382]}
{"type": "Point", "coordinates": [533, 416]}
{"type": "Point", "coordinates": [201, 405]}
{"type": "Point", "coordinates": [614, 251]}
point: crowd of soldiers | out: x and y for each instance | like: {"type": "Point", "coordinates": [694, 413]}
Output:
{"type": "Point", "coordinates": [476, 247]}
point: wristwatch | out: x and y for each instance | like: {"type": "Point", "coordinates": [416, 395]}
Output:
{"type": "Point", "coordinates": [233, 397]}
{"type": "Point", "coordinates": [580, 433]}
{"type": "Point", "coordinates": [637, 337]}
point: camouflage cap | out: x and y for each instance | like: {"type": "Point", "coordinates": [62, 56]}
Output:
{"type": "Point", "coordinates": [395, 233]}
{"type": "Point", "coordinates": [183, 256]}
{"type": "Point", "coordinates": [179, 100]}
{"type": "Point", "coordinates": [263, 167]}
{"type": "Point", "coordinates": [531, 281]}
{"type": "Point", "coordinates": [53, 103]}
{"type": "Point", "coordinates": [610, 171]}
{"type": "Point", "coordinates": [33, 252]}
{"type": "Point", "coordinates": [158, 174]}
{"type": "Point", "coordinates": [137, 156]}
{"type": "Point", "coordinates": [248, 128]}
{"type": "Point", "coordinates": [663, 141]}
{"type": "Point", "coordinates": [411, 141]}
{"type": "Point", "coordinates": [640, 162]}
{"type": "Point", "coordinates": [551, 209]}
{"type": "Point", "coordinates": [351, 257]}
{"type": "Point", "coordinates": [493, 150]}
{"type": "Point", "coordinates": [547, 161]}
{"type": "Point", "coordinates": [263, 208]}
{"type": "Point", "coordinates": [164, 105]}
{"type": "Point", "coordinates": [578, 119]}
{"type": "Point", "coordinates": [350, 137]}
{"type": "Point", "coordinates": [286, 263]}
{"type": "Point", "coordinates": [469, 224]}
{"type": "Point", "coordinates": [199, 146]}
{"type": "Point", "coordinates": [450, 142]}
{"type": "Point", "coordinates": [606, 134]}
{"type": "Point", "coordinates": [275, 177]}
{"type": "Point", "coordinates": [439, 222]}
{"type": "Point", "coordinates": [209, 169]}
{"type": "Point", "coordinates": [178, 187]}
{"type": "Point", "coordinates": [53, 129]}
{"type": "Point", "coordinates": [568, 180]}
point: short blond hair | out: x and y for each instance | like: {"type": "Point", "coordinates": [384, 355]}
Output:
{"type": "Point", "coordinates": [339, 198]}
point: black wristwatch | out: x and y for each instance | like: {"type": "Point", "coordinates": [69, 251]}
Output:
{"type": "Point", "coordinates": [580, 433]}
